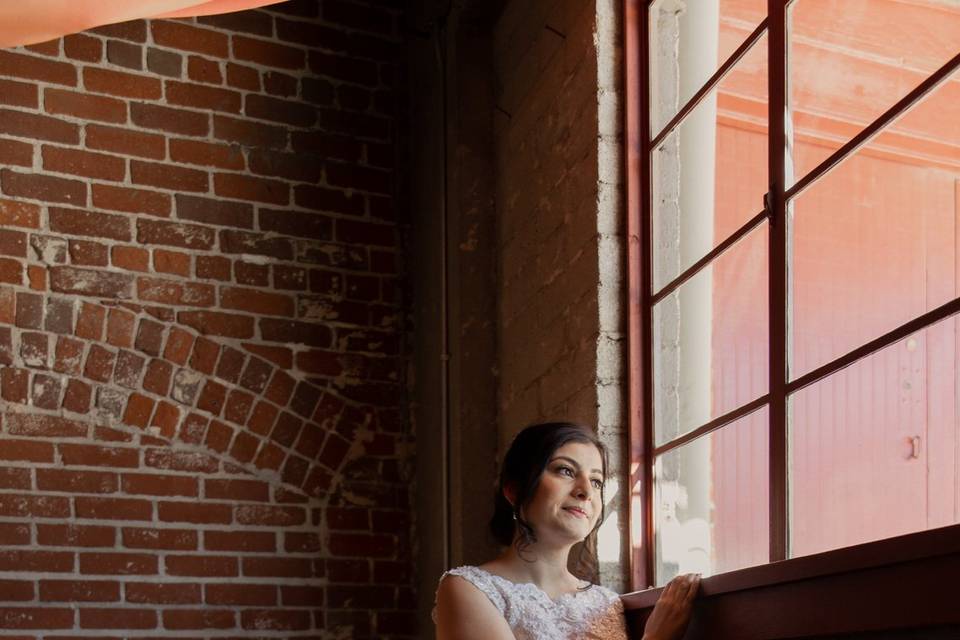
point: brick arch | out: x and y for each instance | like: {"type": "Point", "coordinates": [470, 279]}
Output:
{"type": "Point", "coordinates": [132, 366]}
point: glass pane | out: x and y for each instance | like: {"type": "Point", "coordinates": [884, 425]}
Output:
{"type": "Point", "coordinates": [710, 353]}
{"type": "Point", "coordinates": [712, 501]}
{"type": "Point", "coordinates": [710, 173]}
{"type": "Point", "coordinates": [874, 242]}
{"type": "Point", "coordinates": [873, 448]}
{"type": "Point", "coordinates": [851, 60]}
{"type": "Point", "coordinates": [689, 41]}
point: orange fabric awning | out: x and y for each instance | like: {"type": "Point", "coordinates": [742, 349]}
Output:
{"type": "Point", "coordinates": [33, 21]}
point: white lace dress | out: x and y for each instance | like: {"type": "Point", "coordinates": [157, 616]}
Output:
{"type": "Point", "coordinates": [595, 612]}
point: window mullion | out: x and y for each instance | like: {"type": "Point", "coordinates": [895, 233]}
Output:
{"type": "Point", "coordinates": [778, 311]}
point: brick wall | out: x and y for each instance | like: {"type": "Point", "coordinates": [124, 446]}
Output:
{"type": "Point", "coordinates": [560, 226]}
{"type": "Point", "coordinates": [201, 329]}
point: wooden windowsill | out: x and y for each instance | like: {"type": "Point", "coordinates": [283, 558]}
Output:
{"type": "Point", "coordinates": [908, 582]}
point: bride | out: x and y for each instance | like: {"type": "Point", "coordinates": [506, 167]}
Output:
{"type": "Point", "coordinates": [550, 498]}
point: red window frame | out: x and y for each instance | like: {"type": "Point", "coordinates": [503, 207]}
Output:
{"type": "Point", "coordinates": [641, 298]}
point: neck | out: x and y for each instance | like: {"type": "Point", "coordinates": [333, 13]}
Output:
{"type": "Point", "coordinates": [542, 564]}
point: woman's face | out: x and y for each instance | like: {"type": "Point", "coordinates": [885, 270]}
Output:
{"type": "Point", "coordinates": [567, 502]}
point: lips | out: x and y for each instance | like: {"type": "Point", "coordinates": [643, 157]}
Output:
{"type": "Point", "coordinates": [577, 511]}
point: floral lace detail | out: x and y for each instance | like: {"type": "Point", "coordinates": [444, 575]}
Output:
{"type": "Point", "coordinates": [595, 613]}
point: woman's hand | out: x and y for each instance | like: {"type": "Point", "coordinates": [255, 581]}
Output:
{"type": "Point", "coordinates": [672, 613]}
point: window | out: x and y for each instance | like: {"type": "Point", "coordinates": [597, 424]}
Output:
{"type": "Point", "coordinates": [794, 197]}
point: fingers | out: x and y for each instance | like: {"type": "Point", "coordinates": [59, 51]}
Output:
{"type": "Point", "coordinates": [694, 586]}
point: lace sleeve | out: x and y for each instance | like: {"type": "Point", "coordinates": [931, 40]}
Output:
{"type": "Point", "coordinates": [479, 579]}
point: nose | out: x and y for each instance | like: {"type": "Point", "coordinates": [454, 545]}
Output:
{"type": "Point", "coordinates": [583, 488]}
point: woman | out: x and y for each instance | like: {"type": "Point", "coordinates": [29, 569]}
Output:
{"type": "Point", "coordinates": [550, 498]}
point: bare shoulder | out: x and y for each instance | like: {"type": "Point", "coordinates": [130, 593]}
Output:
{"type": "Point", "coordinates": [466, 613]}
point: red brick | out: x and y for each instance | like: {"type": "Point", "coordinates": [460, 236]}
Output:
{"type": "Point", "coordinates": [248, 541]}
{"type": "Point", "coordinates": [99, 364]}
{"type": "Point", "coordinates": [16, 590]}
{"type": "Point", "coordinates": [258, 302]}
{"type": "Point", "coordinates": [167, 176]}
{"type": "Point", "coordinates": [199, 619]}
{"type": "Point", "coordinates": [247, 133]}
{"type": "Point", "coordinates": [129, 367]}
{"type": "Point", "coordinates": [152, 593]}
{"type": "Point", "coordinates": [171, 120]}
{"type": "Point", "coordinates": [28, 506]}
{"type": "Point", "coordinates": [138, 412]}
{"type": "Point", "coordinates": [186, 236]}
{"type": "Point", "coordinates": [42, 187]}
{"type": "Point", "coordinates": [218, 436]}
{"type": "Point", "coordinates": [264, 515]}
{"type": "Point", "coordinates": [91, 618]}
{"type": "Point", "coordinates": [69, 481]}
{"type": "Point", "coordinates": [233, 489]}
{"type": "Point", "coordinates": [11, 271]}
{"type": "Point", "coordinates": [133, 30]}
{"type": "Point", "coordinates": [257, 275]}
{"type": "Point", "coordinates": [230, 364]}
{"type": "Point", "coordinates": [275, 619]}
{"type": "Point", "coordinates": [176, 35]}
{"type": "Point", "coordinates": [90, 282]}
{"type": "Point", "coordinates": [125, 54]}
{"type": "Point", "coordinates": [87, 253]}
{"type": "Point", "coordinates": [268, 53]}
{"type": "Point", "coordinates": [195, 512]}
{"type": "Point", "coordinates": [203, 70]}
{"type": "Point", "coordinates": [98, 456]}
{"type": "Point", "coordinates": [206, 154]}
{"type": "Point", "coordinates": [244, 187]}
{"type": "Point", "coordinates": [35, 618]}
{"type": "Point", "coordinates": [152, 538]}
{"type": "Point", "coordinates": [75, 535]}
{"type": "Point", "coordinates": [199, 96]}
{"type": "Point", "coordinates": [120, 328]}
{"type": "Point", "coordinates": [277, 567]}
{"type": "Point", "coordinates": [90, 223]}
{"type": "Point", "coordinates": [243, 77]}
{"type": "Point", "coordinates": [301, 596]}
{"type": "Point", "coordinates": [166, 418]}
{"type": "Point", "coordinates": [255, 243]}
{"type": "Point", "coordinates": [126, 142]}
{"type": "Point", "coordinates": [159, 485]}
{"type": "Point", "coordinates": [19, 214]}
{"type": "Point", "coordinates": [179, 343]}
{"type": "Point", "coordinates": [215, 211]}
{"type": "Point", "coordinates": [33, 68]}
{"type": "Point", "coordinates": [131, 200]}
{"type": "Point", "coordinates": [113, 509]}
{"type": "Point", "coordinates": [118, 83]}
{"type": "Point", "coordinates": [201, 566]}
{"type": "Point", "coordinates": [243, 595]}
{"type": "Point", "coordinates": [16, 153]}
{"type": "Point", "coordinates": [44, 426]}
{"type": "Point", "coordinates": [79, 591]}
{"type": "Point", "coordinates": [19, 94]}
{"type": "Point", "coordinates": [204, 357]}
{"type": "Point", "coordinates": [84, 106]}
{"type": "Point", "coordinates": [171, 262]}
{"type": "Point", "coordinates": [39, 561]}
{"type": "Point", "coordinates": [217, 323]}
{"type": "Point", "coordinates": [280, 84]}
{"type": "Point", "coordinates": [77, 396]}
{"type": "Point", "coordinates": [213, 268]}
{"type": "Point", "coordinates": [14, 387]}
{"type": "Point", "coordinates": [83, 47]}
{"type": "Point", "coordinates": [181, 461]}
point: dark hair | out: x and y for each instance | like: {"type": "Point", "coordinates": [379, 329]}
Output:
{"type": "Point", "coordinates": [522, 467]}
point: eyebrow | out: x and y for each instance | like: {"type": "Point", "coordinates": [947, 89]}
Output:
{"type": "Point", "coordinates": [575, 463]}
